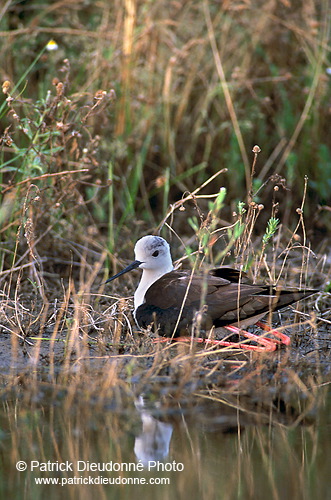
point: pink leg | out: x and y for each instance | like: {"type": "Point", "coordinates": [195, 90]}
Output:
{"type": "Point", "coordinates": [284, 339]}
{"type": "Point", "coordinates": [222, 343]}
{"type": "Point", "coordinates": [265, 344]}
{"type": "Point", "coordinates": [269, 344]}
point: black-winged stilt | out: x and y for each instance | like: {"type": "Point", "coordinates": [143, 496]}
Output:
{"type": "Point", "coordinates": [176, 302]}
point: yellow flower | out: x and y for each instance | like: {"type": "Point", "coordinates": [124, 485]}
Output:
{"type": "Point", "coordinates": [52, 45]}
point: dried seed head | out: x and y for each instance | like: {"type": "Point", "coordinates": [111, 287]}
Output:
{"type": "Point", "coordinates": [28, 226]}
{"type": "Point", "coordinates": [92, 231]}
{"type": "Point", "coordinates": [59, 89]}
{"type": "Point", "coordinates": [5, 86]}
{"type": "Point", "coordinates": [13, 114]}
{"type": "Point", "coordinates": [100, 94]}
{"type": "Point", "coordinates": [160, 181]}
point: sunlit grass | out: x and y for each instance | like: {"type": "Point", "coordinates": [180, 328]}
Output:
{"type": "Point", "coordinates": [204, 88]}
{"type": "Point", "coordinates": [143, 118]}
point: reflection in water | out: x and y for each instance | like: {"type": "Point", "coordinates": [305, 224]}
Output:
{"type": "Point", "coordinates": [277, 457]}
{"type": "Point", "coordinates": [153, 443]}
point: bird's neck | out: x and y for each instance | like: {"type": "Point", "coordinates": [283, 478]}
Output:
{"type": "Point", "coordinates": [148, 277]}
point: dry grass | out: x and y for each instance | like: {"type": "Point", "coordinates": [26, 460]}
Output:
{"type": "Point", "coordinates": [64, 332]}
{"type": "Point", "coordinates": [142, 113]}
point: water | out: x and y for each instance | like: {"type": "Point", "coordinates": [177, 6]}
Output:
{"type": "Point", "coordinates": [277, 452]}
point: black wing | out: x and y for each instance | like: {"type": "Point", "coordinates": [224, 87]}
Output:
{"type": "Point", "coordinates": [224, 295]}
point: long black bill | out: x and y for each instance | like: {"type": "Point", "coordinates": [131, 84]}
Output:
{"type": "Point", "coordinates": [133, 265]}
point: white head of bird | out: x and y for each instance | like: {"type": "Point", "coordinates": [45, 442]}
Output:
{"type": "Point", "coordinates": [153, 253]}
{"type": "Point", "coordinates": [153, 256]}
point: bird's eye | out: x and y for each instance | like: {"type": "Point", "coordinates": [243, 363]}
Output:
{"type": "Point", "coordinates": [155, 254]}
